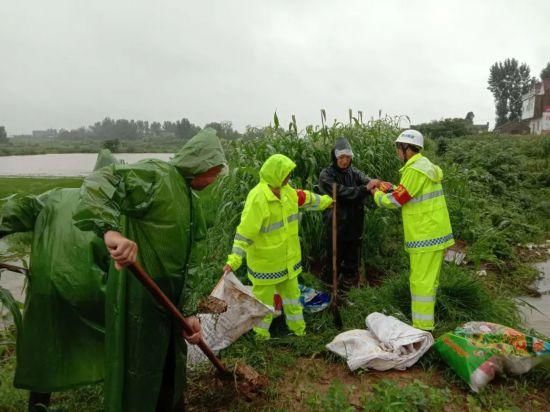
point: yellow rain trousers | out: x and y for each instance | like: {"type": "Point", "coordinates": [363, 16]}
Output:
{"type": "Point", "coordinates": [290, 294]}
{"type": "Point", "coordinates": [427, 229]}
{"type": "Point", "coordinates": [424, 281]}
{"type": "Point", "coordinates": [268, 236]}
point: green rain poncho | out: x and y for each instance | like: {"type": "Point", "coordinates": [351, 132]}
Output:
{"type": "Point", "coordinates": [61, 344]}
{"type": "Point", "coordinates": [149, 202]}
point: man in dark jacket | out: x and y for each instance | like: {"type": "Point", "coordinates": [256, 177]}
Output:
{"type": "Point", "coordinates": [352, 190]}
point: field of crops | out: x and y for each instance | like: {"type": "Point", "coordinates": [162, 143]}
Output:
{"type": "Point", "coordinates": [497, 190]}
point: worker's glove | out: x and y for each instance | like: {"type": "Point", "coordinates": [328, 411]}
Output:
{"type": "Point", "coordinates": [373, 183]}
{"type": "Point", "coordinates": [385, 186]}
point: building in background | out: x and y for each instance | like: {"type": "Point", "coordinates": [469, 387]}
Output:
{"type": "Point", "coordinates": [536, 108]}
{"type": "Point", "coordinates": [45, 134]}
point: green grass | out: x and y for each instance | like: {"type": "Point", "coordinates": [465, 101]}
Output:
{"type": "Point", "coordinates": [34, 186]}
{"type": "Point", "coordinates": [88, 398]}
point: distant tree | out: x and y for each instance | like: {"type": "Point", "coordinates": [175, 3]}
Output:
{"type": "Point", "coordinates": [125, 129]}
{"type": "Point", "coordinates": [112, 144]}
{"type": "Point", "coordinates": [141, 130]}
{"type": "Point", "coordinates": [252, 132]}
{"type": "Point", "coordinates": [3, 135]}
{"type": "Point", "coordinates": [104, 129]}
{"type": "Point", "coordinates": [545, 73]}
{"type": "Point", "coordinates": [74, 134]}
{"type": "Point", "coordinates": [225, 130]}
{"type": "Point", "coordinates": [508, 81]}
{"type": "Point", "coordinates": [156, 128]}
{"type": "Point", "coordinates": [168, 126]}
{"type": "Point", "coordinates": [185, 129]}
{"type": "Point", "coordinates": [444, 128]}
{"type": "Point", "coordinates": [470, 118]}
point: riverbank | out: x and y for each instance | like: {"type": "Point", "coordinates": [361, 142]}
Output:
{"type": "Point", "coordinates": [31, 146]}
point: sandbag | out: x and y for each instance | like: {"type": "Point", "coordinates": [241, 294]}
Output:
{"type": "Point", "coordinates": [388, 344]}
{"type": "Point", "coordinates": [478, 351]}
{"type": "Point", "coordinates": [244, 312]}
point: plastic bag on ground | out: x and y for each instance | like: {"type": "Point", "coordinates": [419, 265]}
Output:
{"type": "Point", "coordinates": [388, 344]}
{"type": "Point", "coordinates": [244, 312]}
{"type": "Point", "coordinates": [478, 351]}
{"type": "Point", "coordinates": [312, 300]}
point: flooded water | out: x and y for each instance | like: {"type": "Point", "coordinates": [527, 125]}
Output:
{"type": "Point", "coordinates": [539, 318]}
{"type": "Point", "coordinates": [70, 164]}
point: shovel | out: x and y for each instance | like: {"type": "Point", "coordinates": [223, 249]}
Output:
{"type": "Point", "coordinates": [334, 304]}
{"type": "Point", "coordinates": [247, 380]}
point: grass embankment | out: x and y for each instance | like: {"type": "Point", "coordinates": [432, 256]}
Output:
{"type": "Point", "coordinates": [30, 146]}
{"type": "Point", "coordinates": [34, 186]}
{"type": "Point", "coordinates": [495, 188]}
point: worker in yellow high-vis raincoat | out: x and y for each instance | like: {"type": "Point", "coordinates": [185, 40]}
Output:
{"type": "Point", "coordinates": [268, 236]}
{"type": "Point", "coordinates": [426, 222]}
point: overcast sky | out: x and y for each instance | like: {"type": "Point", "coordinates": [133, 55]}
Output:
{"type": "Point", "coordinates": [65, 64]}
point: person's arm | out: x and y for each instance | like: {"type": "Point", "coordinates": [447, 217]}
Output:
{"type": "Point", "coordinates": [343, 192]}
{"type": "Point", "coordinates": [251, 222]}
{"type": "Point", "coordinates": [107, 194]}
{"type": "Point", "coordinates": [361, 177]}
{"type": "Point", "coordinates": [310, 201]}
{"type": "Point", "coordinates": [18, 213]}
{"type": "Point", "coordinates": [408, 188]}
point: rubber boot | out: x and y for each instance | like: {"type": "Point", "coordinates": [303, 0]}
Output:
{"type": "Point", "coordinates": [39, 401]}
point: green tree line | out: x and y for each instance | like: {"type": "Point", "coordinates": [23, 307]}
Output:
{"type": "Point", "coordinates": [122, 129]}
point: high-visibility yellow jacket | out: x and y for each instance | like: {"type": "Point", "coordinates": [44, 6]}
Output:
{"type": "Point", "coordinates": [422, 201]}
{"type": "Point", "coordinates": [268, 232]}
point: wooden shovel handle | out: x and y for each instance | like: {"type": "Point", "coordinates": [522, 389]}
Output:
{"type": "Point", "coordinates": [334, 243]}
{"type": "Point", "coordinates": [163, 300]}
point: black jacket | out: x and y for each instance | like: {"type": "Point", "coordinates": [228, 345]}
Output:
{"type": "Point", "coordinates": [351, 196]}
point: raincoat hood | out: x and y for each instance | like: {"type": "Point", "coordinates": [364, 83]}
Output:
{"type": "Point", "coordinates": [275, 170]}
{"type": "Point", "coordinates": [105, 158]}
{"type": "Point", "coordinates": [341, 144]}
{"type": "Point", "coordinates": [203, 152]}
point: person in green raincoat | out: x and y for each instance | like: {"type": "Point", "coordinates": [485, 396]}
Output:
{"type": "Point", "coordinates": [144, 212]}
{"type": "Point", "coordinates": [61, 343]}
{"type": "Point", "coordinates": [66, 341]}
{"type": "Point", "coordinates": [268, 237]}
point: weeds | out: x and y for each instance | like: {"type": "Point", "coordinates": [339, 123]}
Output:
{"type": "Point", "coordinates": [389, 397]}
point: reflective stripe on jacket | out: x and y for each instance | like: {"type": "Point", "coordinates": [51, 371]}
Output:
{"type": "Point", "coordinates": [420, 196]}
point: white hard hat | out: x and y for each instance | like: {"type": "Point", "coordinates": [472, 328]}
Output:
{"type": "Point", "coordinates": [410, 136]}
